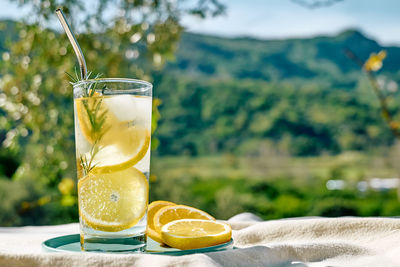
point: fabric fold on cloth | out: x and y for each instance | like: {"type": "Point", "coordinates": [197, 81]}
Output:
{"type": "Point", "coordinates": [345, 241]}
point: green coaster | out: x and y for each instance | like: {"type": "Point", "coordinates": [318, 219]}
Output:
{"type": "Point", "coordinates": [70, 243]}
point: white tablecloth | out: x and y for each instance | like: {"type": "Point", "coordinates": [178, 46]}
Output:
{"type": "Point", "coordinates": [347, 241]}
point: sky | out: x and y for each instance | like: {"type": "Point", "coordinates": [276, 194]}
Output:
{"type": "Point", "coordinates": [271, 19]}
{"type": "Point", "coordinates": [379, 19]}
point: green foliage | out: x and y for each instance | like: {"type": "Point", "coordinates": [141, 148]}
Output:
{"type": "Point", "coordinates": [216, 116]}
{"type": "Point", "coordinates": [334, 207]}
{"type": "Point", "coordinates": [225, 191]}
{"type": "Point", "coordinates": [36, 124]}
{"type": "Point", "coordinates": [303, 95]}
{"type": "Point", "coordinates": [12, 194]}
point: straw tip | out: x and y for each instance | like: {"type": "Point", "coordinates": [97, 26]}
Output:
{"type": "Point", "coordinates": [58, 10]}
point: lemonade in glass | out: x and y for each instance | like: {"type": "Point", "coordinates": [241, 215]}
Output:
{"type": "Point", "coordinates": [112, 136]}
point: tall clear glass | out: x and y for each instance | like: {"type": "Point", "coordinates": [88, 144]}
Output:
{"type": "Point", "coordinates": [112, 137]}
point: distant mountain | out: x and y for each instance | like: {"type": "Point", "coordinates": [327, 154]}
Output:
{"type": "Point", "coordinates": [273, 60]}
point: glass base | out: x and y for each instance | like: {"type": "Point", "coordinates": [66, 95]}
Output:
{"type": "Point", "coordinates": [118, 244]}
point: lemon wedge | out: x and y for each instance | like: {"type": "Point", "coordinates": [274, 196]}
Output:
{"type": "Point", "coordinates": [113, 201]}
{"type": "Point", "coordinates": [195, 233]}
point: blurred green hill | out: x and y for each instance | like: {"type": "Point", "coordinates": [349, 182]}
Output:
{"type": "Point", "coordinates": [297, 96]}
{"type": "Point", "coordinates": [303, 95]}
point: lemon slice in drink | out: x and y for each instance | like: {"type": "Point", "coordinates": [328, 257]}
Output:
{"type": "Point", "coordinates": [131, 148]}
{"type": "Point", "coordinates": [100, 115]}
{"type": "Point", "coordinates": [88, 108]}
{"type": "Point", "coordinates": [113, 201]}
{"type": "Point", "coordinates": [195, 233]}
{"type": "Point", "coordinates": [117, 127]}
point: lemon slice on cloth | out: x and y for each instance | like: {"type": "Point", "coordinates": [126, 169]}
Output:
{"type": "Point", "coordinates": [113, 201]}
{"type": "Point", "coordinates": [171, 213]}
{"type": "Point", "coordinates": [195, 233]}
{"type": "Point", "coordinates": [151, 211]}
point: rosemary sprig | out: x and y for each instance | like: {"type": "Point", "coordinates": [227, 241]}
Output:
{"type": "Point", "coordinates": [87, 163]}
{"type": "Point", "coordinates": [97, 118]}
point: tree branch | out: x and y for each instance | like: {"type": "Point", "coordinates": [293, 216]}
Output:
{"type": "Point", "coordinates": [393, 125]}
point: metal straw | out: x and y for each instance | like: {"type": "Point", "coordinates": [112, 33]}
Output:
{"type": "Point", "coordinates": [74, 43]}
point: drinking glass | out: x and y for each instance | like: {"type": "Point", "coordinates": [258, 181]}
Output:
{"type": "Point", "coordinates": [112, 136]}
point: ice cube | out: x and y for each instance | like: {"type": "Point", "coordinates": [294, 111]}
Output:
{"type": "Point", "coordinates": [130, 108]}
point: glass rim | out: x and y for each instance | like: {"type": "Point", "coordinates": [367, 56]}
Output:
{"type": "Point", "coordinates": [146, 85]}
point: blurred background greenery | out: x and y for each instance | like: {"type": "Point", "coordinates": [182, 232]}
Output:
{"type": "Point", "coordinates": [280, 128]}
